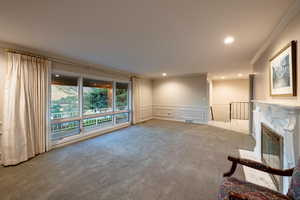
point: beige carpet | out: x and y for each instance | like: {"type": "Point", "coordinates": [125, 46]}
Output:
{"type": "Point", "coordinates": [155, 160]}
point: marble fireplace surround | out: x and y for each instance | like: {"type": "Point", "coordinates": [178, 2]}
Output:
{"type": "Point", "coordinates": [283, 118]}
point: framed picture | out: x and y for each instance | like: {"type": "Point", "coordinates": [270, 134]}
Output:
{"type": "Point", "coordinates": [283, 71]}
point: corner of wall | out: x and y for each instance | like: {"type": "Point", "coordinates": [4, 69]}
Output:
{"type": "Point", "coordinates": [182, 98]}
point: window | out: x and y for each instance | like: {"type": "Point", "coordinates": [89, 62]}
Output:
{"type": "Point", "coordinates": [80, 105]}
{"type": "Point", "coordinates": [122, 118]}
{"type": "Point", "coordinates": [98, 122]}
{"type": "Point", "coordinates": [64, 105]}
{"type": "Point", "coordinates": [64, 97]}
{"type": "Point", "coordinates": [66, 129]}
{"type": "Point", "coordinates": [122, 96]}
{"type": "Point", "coordinates": [97, 96]}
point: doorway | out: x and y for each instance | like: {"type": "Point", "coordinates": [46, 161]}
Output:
{"type": "Point", "coordinates": [230, 105]}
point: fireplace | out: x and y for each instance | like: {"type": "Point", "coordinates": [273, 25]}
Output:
{"type": "Point", "coordinates": [272, 152]}
{"type": "Point", "coordinates": [281, 119]}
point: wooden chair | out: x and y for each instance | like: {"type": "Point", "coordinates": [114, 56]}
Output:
{"type": "Point", "coordinates": [235, 189]}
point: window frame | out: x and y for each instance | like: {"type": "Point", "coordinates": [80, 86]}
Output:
{"type": "Point", "coordinates": [113, 90]}
{"type": "Point", "coordinates": [83, 132]}
{"type": "Point", "coordinates": [128, 95]}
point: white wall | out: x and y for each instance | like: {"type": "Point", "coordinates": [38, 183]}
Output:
{"type": "Point", "coordinates": [146, 99]}
{"type": "Point", "coordinates": [181, 98]}
{"type": "Point", "coordinates": [89, 71]}
{"type": "Point", "coordinates": [261, 66]}
{"type": "Point", "coordinates": [225, 92]}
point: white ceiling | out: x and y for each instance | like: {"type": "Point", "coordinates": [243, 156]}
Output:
{"type": "Point", "coordinates": [145, 36]}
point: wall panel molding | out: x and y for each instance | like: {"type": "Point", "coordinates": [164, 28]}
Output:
{"type": "Point", "coordinates": [146, 112]}
{"type": "Point", "coordinates": [184, 113]}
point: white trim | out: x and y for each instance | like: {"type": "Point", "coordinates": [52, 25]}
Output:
{"type": "Point", "coordinates": [144, 120]}
{"type": "Point", "coordinates": [102, 114]}
{"type": "Point", "coordinates": [178, 120]}
{"type": "Point", "coordinates": [290, 104]}
{"type": "Point", "coordinates": [129, 95]}
{"type": "Point", "coordinates": [80, 93]}
{"type": "Point", "coordinates": [279, 28]}
{"type": "Point", "coordinates": [197, 114]}
{"type": "Point", "coordinates": [146, 113]}
{"type": "Point", "coordinates": [114, 103]}
{"type": "Point", "coordinates": [130, 100]}
{"type": "Point", "coordinates": [88, 76]}
{"type": "Point", "coordinates": [48, 122]}
{"type": "Point", "coordinates": [180, 106]}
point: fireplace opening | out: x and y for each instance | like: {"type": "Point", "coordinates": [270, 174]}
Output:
{"type": "Point", "coordinates": [272, 152]}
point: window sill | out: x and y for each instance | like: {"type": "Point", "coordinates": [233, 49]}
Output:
{"type": "Point", "coordinates": [88, 134]}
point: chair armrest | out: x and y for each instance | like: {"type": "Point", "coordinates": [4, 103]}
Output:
{"type": "Point", "coordinates": [256, 165]}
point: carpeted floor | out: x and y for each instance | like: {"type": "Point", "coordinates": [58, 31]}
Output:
{"type": "Point", "coordinates": [156, 160]}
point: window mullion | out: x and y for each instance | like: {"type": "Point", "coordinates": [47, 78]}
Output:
{"type": "Point", "coordinates": [114, 102]}
{"type": "Point", "coordinates": [48, 138]}
{"type": "Point", "coordinates": [81, 103]}
{"type": "Point", "coordinates": [129, 99]}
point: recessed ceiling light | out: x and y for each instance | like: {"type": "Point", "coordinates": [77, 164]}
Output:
{"type": "Point", "coordinates": [229, 40]}
{"type": "Point", "coordinates": [164, 74]}
{"type": "Point", "coordinates": [240, 75]}
{"type": "Point", "coordinates": [57, 75]}
{"type": "Point", "coordinates": [223, 77]}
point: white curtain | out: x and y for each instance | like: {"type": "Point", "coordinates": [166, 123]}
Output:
{"type": "Point", "coordinates": [25, 108]}
{"type": "Point", "coordinates": [136, 93]}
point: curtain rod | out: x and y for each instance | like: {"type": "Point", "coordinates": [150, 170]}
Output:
{"type": "Point", "coordinates": [26, 53]}
{"type": "Point", "coordinates": [59, 60]}
{"type": "Point", "coordinates": [53, 59]}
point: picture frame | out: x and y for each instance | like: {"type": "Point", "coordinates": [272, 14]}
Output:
{"type": "Point", "coordinates": [283, 71]}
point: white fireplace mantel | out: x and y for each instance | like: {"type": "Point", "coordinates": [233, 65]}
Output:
{"type": "Point", "coordinates": [288, 104]}
{"type": "Point", "coordinates": [283, 118]}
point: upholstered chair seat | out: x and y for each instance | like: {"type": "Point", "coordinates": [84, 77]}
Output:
{"type": "Point", "coordinates": [250, 191]}
{"type": "Point", "coordinates": [235, 189]}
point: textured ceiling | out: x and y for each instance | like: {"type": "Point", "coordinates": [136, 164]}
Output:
{"type": "Point", "coordinates": [145, 36]}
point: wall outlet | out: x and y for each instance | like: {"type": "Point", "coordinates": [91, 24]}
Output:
{"type": "Point", "coordinates": [189, 121]}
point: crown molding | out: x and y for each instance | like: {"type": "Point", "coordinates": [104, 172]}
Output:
{"type": "Point", "coordinates": [279, 28]}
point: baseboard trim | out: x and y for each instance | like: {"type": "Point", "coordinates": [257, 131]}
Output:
{"type": "Point", "coordinates": [197, 114]}
{"type": "Point", "coordinates": [179, 120]}
{"type": "Point", "coordinates": [147, 119]}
